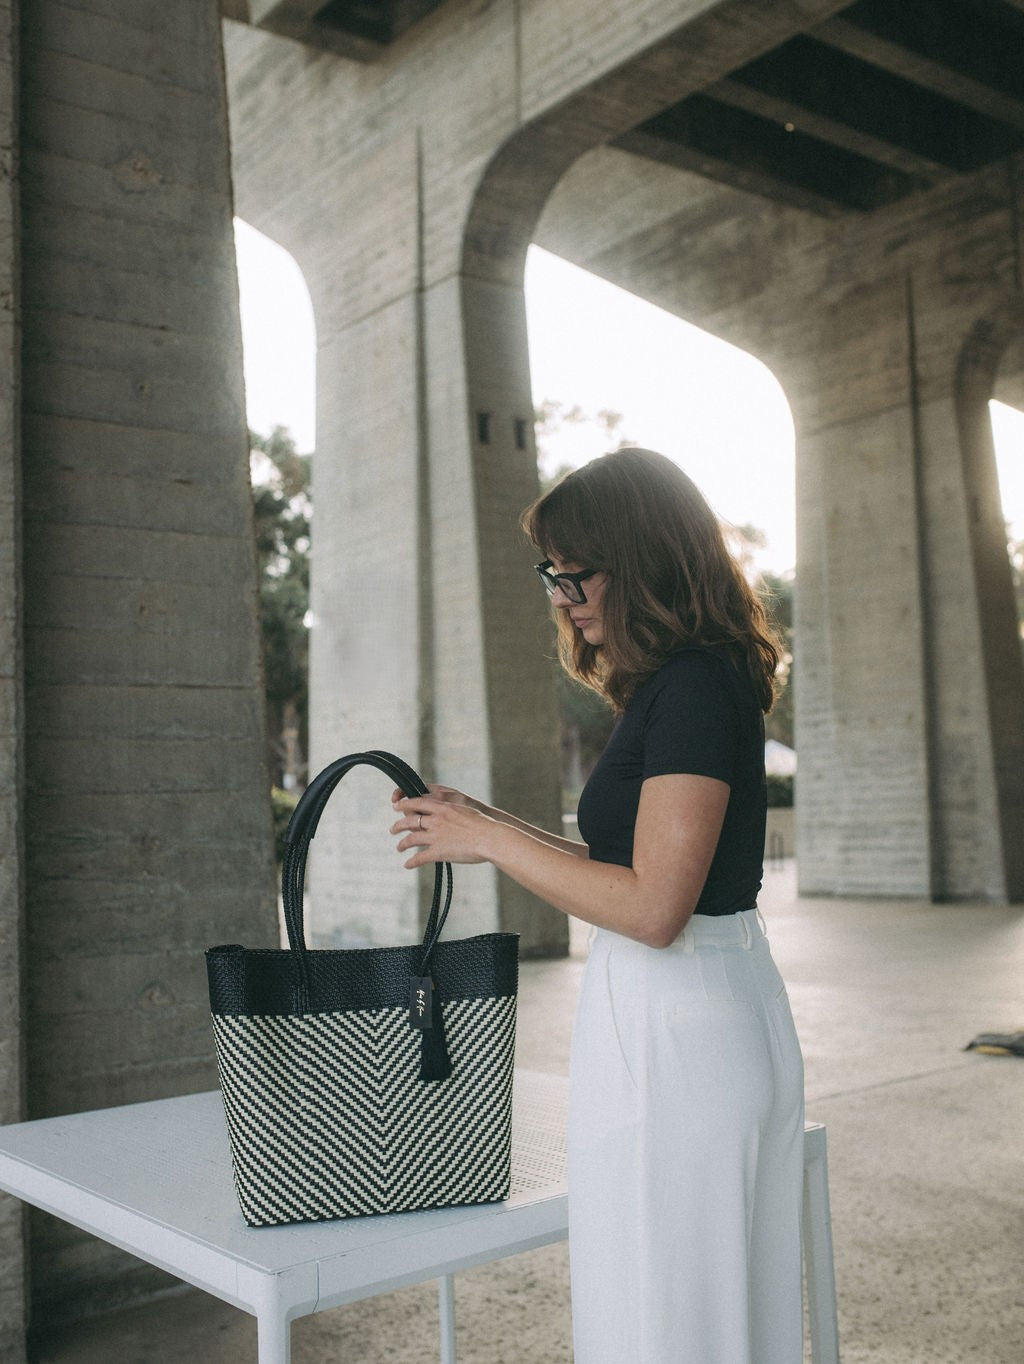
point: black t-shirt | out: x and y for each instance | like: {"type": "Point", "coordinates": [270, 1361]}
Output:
{"type": "Point", "coordinates": [697, 714]}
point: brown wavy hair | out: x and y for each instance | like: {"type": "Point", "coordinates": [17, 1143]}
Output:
{"type": "Point", "coordinates": [672, 580]}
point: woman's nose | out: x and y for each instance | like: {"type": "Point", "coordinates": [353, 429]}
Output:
{"type": "Point", "coordinates": [559, 598]}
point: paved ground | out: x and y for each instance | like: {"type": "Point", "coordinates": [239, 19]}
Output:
{"type": "Point", "coordinates": [925, 1147]}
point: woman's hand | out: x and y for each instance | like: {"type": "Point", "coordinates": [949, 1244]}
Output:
{"type": "Point", "coordinates": [445, 826]}
{"type": "Point", "coordinates": [448, 793]}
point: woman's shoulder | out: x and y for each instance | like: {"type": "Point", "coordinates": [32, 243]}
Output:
{"type": "Point", "coordinates": [695, 670]}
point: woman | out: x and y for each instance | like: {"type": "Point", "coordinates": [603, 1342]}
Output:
{"type": "Point", "coordinates": [686, 1081]}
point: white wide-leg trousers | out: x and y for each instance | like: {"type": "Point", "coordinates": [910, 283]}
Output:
{"type": "Point", "coordinates": [686, 1152]}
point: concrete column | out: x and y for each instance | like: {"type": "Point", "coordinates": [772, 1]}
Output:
{"type": "Point", "coordinates": [862, 705]}
{"type": "Point", "coordinates": [996, 663]}
{"type": "Point", "coordinates": [911, 691]}
{"type": "Point", "coordinates": [863, 807]}
{"type": "Point", "coordinates": [429, 637]}
{"type": "Point", "coordinates": [12, 904]}
{"type": "Point", "coordinates": [370, 592]}
{"type": "Point", "coordinates": [493, 643]}
{"type": "Point", "coordinates": [147, 812]}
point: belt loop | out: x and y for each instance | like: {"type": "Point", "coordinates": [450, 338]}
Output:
{"type": "Point", "coordinates": [748, 937]}
{"type": "Point", "coordinates": [760, 920]}
{"type": "Point", "coordinates": [689, 938]}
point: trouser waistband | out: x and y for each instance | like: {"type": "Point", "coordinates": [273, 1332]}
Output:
{"type": "Point", "coordinates": [721, 930]}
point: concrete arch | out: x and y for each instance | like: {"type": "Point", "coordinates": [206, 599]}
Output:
{"type": "Point", "coordinates": [412, 227]}
{"type": "Point", "coordinates": [285, 312]}
{"type": "Point", "coordinates": [485, 303]}
{"type": "Point", "coordinates": [1000, 651]}
{"type": "Point", "coordinates": [415, 211]}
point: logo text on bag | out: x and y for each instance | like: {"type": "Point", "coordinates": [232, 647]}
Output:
{"type": "Point", "coordinates": [420, 1004]}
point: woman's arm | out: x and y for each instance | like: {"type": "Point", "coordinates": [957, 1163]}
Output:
{"type": "Point", "coordinates": [678, 823]}
{"type": "Point", "coordinates": [450, 794]}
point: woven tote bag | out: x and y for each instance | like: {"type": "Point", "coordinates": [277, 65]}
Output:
{"type": "Point", "coordinates": [369, 1080]}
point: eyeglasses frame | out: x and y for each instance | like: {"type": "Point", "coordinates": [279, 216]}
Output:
{"type": "Point", "coordinates": [552, 581]}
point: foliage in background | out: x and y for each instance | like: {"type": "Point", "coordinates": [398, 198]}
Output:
{"type": "Point", "coordinates": [601, 432]}
{"type": "Point", "coordinates": [1015, 549]}
{"type": "Point", "coordinates": [282, 805]}
{"type": "Point", "coordinates": [282, 511]}
{"type": "Point", "coordinates": [780, 791]}
{"type": "Point", "coordinates": [779, 724]}
{"type": "Point", "coordinates": [778, 590]}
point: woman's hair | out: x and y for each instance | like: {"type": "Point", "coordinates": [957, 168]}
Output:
{"type": "Point", "coordinates": [672, 581]}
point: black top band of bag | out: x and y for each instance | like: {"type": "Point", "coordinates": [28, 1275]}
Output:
{"type": "Point", "coordinates": [301, 829]}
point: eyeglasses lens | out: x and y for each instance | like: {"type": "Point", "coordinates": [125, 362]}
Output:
{"type": "Point", "coordinates": [570, 588]}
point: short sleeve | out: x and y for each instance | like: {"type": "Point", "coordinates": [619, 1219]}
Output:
{"type": "Point", "coordinates": [693, 722]}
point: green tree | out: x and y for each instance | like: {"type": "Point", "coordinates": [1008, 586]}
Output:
{"type": "Point", "coordinates": [602, 431]}
{"type": "Point", "coordinates": [779, 724]}
{"type": "Point", "coordinates": [1015, 549]}
{"type": "Point", "coordinates": [778, 590]}
{"type": "Point", "coordinates": [282, 512]}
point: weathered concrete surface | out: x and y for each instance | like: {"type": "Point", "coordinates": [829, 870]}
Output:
{"type": "Point", "coordinates": [887, 332]}
{"type": "Point", "coordinates": [925, 1188]}
{"type": "Point", "coordinates": [12, 903]}
{"type": "Point", "coordinates": [146, 819]}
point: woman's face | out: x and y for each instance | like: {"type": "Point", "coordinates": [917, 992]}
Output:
{"type": "Point", "coordinates": [586, 616]}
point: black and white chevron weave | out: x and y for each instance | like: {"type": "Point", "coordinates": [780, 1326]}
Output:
{"type": "Point", "coordinates": [328, 1117]}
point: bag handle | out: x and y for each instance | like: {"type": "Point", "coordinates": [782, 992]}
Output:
{"type": "Point", "coordinates": [301, 830]}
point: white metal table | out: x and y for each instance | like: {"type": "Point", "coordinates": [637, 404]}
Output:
{"type": "Point", "coordinates": [155, 1179]}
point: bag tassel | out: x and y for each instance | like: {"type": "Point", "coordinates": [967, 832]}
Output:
{"type": "Point", "coordinates": [435, 1063]}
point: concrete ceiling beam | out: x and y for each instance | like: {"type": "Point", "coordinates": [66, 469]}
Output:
{"type": "Point", "coordinates": [931, 75]}
{"type": "Point", "coordinates": [297, 19]}
{"type": "Point", "coordinates": [317, 24]}
{"type": "Point", "coordinates": [790, 114]}
{"type": "Point", "coordinates": [671, 153]}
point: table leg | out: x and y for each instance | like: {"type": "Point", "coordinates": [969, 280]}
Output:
{"type": "Point", "coordinates": [446, 1302]}
{"type": "Point", "coordinates": [275, 1338]}
{"type": "Point", "coordinates": [819, 1265]}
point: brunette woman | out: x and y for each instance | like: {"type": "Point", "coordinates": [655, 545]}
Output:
{"type": "Point", "coordinates": [686, 1080]}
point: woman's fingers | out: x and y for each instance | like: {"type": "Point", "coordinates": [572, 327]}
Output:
{"type": "Point", "coordinates": [438, 831]}
{"type": "Point", "coordinates": [413, 811]}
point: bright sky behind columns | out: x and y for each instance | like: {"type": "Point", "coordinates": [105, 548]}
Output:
{"type": "Point", "coordinates": [715, 410]}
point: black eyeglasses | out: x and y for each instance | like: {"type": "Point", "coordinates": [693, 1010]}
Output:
{"type": "Point", "coordinates": [570, 583]}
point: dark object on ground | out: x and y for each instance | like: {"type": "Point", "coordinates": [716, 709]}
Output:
{"type": "Point", "coordinates": [998, 1043]}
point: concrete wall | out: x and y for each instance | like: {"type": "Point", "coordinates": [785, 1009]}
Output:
{"type": "Point", "coordinates": [146, 814]}
{"type": "Point", "coordinates": [910, 699]}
